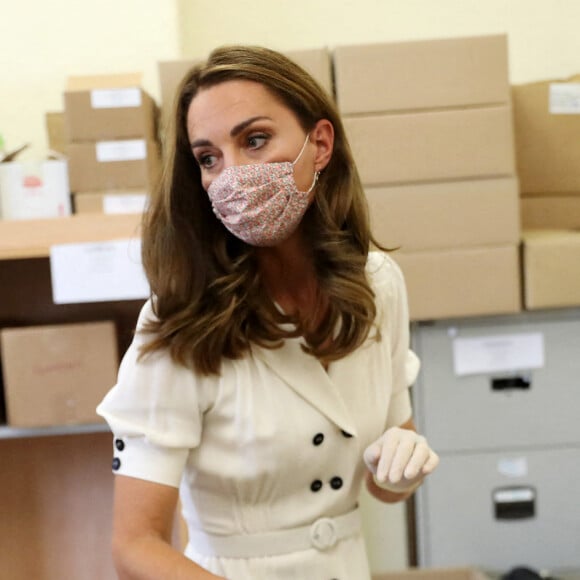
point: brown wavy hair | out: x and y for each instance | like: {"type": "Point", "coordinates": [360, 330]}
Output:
{"type": "Point", "coordinates": [208, 296]}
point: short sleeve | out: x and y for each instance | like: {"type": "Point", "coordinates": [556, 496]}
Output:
{"type": "Point", "coordinates": [392, 300]}
{"type": "Point", "coordinates": [154, 411]}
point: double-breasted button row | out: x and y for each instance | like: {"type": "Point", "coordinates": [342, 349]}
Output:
{"type": "Point", "coordinates": [119, 445]}
{"type": "Point", "coordinates": [335, 482]}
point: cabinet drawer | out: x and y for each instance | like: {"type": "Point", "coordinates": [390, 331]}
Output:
{"type": "Point", "coordinates": [500, 510]}
{"type": "Point", "coordinates": [515, 405]}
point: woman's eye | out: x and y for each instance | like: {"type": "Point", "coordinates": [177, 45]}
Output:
{"type": "Point", "coordinates": [206, 161]}
{"type": "Point", "coordinates": [256, 141]}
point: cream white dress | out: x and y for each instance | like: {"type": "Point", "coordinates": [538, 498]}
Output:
{"type": "Point", "coordinates": [273, 444]}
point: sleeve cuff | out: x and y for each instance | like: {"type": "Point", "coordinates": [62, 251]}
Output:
{"type": "Point", "coordinates": [412, 367]}
{"type": "Point", "coordinates": [137, 457]}
{"type": "Point", "coordinates": [400, 409]}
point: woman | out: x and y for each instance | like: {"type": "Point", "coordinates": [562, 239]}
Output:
{"type": "Point", "coordinates": [269, 373]}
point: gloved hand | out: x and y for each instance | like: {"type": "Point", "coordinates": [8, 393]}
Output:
{"type": "Point", "coordinates": [400, 459]}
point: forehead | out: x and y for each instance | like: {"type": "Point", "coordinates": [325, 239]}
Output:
{"type": "Point", "coordinates": [222, 106]}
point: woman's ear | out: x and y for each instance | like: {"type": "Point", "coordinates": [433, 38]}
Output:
{"type": "Point", "coordinates": [322, 135]}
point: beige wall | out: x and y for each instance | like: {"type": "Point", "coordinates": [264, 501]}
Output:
{"type": "Point", "coordinates": [543, 34]}
{"type": "Point", "coordinates": [44, 42]}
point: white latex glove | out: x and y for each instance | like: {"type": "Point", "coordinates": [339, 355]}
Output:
{"type": "Point", "coordinates": [400, 459]}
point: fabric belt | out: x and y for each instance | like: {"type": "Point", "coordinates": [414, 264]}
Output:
{"type": "Point", "coordinates": [321, 535]}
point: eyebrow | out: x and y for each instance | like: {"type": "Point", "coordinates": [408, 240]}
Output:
{"type": "Point", "coordinates": [233, 133]}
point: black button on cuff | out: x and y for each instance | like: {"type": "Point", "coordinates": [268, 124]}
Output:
{"type": "Point", "coordinates": [336, 482]}
{"type": "Point", "coordinates": [316, 485]}
{"type": "Point", "coordinates": [116, 463]}
{"type": "Point", "coordinates": [119, 444]}
{"type": "Point", "coordinates": [318, 439]}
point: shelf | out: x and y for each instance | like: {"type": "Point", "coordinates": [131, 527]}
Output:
{"type": "Point", "coordinates": [34, 238]}
{"type": "Point", "coordinates": [7, 432]}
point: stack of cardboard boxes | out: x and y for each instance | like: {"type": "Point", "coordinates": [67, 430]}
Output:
{"type": "Point", "coordinates": [547, 127]}
{"type": "Point", "coordinates": [430, 125]}
{"type": "Point", "coordinates": [113, 149]}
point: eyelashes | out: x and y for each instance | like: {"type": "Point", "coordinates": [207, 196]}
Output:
{"type": "Point", "coordinates": [252, 141]}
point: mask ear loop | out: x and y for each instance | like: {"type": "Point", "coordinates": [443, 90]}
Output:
{"type": "Point", "coordinates": [316, 173]}
{"type": "Point", "coordinates": [301, 150]}
{"type": "Point", "coordinates": [314, 181]}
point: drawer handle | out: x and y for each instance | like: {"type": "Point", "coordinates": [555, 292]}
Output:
{"type": "Point", "coordinates": [514, 503]}
{"type": "Point", "coordinates": [506, 383]}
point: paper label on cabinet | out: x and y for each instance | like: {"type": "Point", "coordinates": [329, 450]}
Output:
{"type": "Point", "coordinates": [115, 98]}
{"type": "Point", "coordinates": [513, 466]}
{"type": "Point", "coordinates": [126, 203]}
{"type": "Point", "coordinates": [513, 495]}
{"type": "Point", "coordinates": [126, 150]}
{"type": "Point", "coordinates": [565, 98]}
{"type": "Point", "coordinates": [97, 272]}
{"type": "Point", "coordinates": [500, 353]}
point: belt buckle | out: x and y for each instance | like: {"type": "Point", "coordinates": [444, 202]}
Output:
{"type": "Point", "coordinates": [323, 534]}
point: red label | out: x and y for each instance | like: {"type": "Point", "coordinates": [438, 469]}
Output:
{"type": "Point", "coordinates": [32, 181]}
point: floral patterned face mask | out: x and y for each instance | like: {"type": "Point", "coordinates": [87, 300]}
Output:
{"type": "Point", "coordinates": [260, 203]}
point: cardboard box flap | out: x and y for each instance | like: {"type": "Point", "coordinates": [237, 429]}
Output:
{"type": "Point", "coordinates": [113, 81]}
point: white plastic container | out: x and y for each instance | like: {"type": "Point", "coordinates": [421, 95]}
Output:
{"type": "Point", "coordinates": [34, 190]}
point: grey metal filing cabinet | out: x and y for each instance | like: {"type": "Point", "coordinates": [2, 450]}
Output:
{"type": "Point", "coordinates": [499, 400]}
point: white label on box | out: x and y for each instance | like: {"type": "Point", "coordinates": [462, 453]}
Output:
{"type": "Point", "coordinates": [115, 98]}
{"type": "Point", "coordinates": [126, 150]}
{"type": "Point", "coordinates": [97, 272]}
{"type": "Point", "coordinates": [114, 204]}
{"type": "Point", "coordinates": [565, 98]}
{"type": "Point", "coordinates": [513, 466]}
{"type": "Point", "coordinates": [501, 353]}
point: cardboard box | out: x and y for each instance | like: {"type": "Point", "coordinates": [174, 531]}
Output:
{"type": "Point", "coordinates": [434, 574]}
{"type": "Point", "coordinates": [446, 215]}
{"type": "Point", "coordinates": [34, 190]}
{"type": "Point", "coordinates": [551, 267]}
{"type": "Point", "coordinates": [431, 146]}
{"type": "Point", "coordinates": [171, 73]}
{"type": "Point", "coordinates": [402, 76]}
{"type": "Point", "coordinates": [547, 125]}
{"type": "Point", "coordinates": [551, 212]}
{"type": "Point", "coordinates": [108, 107]}
{"type": "Point", "coordinates": [315, 61]}
{"type": "Point", "coordinates": [110, 165]}
{"type": "Point", "coordinates": [111, 202]}
{"type": "Point", "coordinates": [56, 132]}
{"type": "Point", "coordinates": [56, 375]}
{"type": "Point", "coordinates": [461, 282]}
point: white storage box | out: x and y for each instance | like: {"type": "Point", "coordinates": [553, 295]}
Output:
{"type": "Point", "coordinates": [31, 190]}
